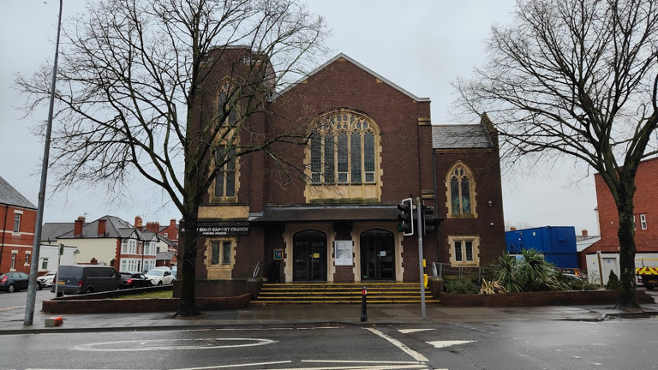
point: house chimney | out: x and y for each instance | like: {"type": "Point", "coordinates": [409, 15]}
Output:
{"type": "Point", "coordinates": [513, 228]}
{"type": "Point", "coordinates": [138, 222]}
{"type": "Point", "coordinates": [585, 233]}
{"type": "Point", "coordinates": [101, 227]}
{"type": "Point", "coordinates": [77, 228]}
{"type": "Point", "coordinates": [153, 227]}
{"type": "Point", "coordinates": [172, 223]}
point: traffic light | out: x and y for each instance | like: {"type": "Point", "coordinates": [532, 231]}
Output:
{"type": "Point", "coordinates": [430, 222]}
{"type": "Point", "coordinates": [406, 217]}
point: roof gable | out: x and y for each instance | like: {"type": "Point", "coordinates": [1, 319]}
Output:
{"type": "Point", "coordinates": [359, 65]}
{"type": "Point", "coordinates": [9, 195]}
{"type": "Point", "coordinates": [456, 136]}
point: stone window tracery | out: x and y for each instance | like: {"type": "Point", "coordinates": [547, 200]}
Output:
{"type": "Point", "coordinates": [461, 191]}
{"type": "Point", "coordinates": [343, 150]}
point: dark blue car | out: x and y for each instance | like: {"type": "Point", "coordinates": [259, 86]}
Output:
{"type": "Point", "coordinates": [14, 281]}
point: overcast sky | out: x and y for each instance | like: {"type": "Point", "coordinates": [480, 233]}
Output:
{"type": "Point", "coordinates": [420, 45]}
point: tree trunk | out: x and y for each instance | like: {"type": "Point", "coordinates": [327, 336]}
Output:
{"type": "Point", "coordinates": [187, 305]}
{"type": "Point", "coordinates": [626, 235]}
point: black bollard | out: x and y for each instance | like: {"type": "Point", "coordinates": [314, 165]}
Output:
{"type": "Point", "coordinates": [364, 309]}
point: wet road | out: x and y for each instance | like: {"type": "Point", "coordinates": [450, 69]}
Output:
{"type": "Point", "coordinates": [613, 344]}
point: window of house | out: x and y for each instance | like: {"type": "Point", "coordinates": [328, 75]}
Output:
{"type": "Point", "coordinates": [464, 250]}
{"type": "Point", "coordinates": [28, 255]}
{"type": "Point", "coordinates": [343, 150]}
{"type": "Point", "coordinates": [14, 255]}
{"type": "Point", "coordinates": [634, 224]}
{"type": "Point", "coordinates": [44, 263]}
{"type": "Point", "coordinates": [225, 179]}
{"type": "Point", "coordinates": [129, 246]}
{"type": "Point", "coordinates": [643, 221]}
{"type": "Point", "coordinates": [17, 222]}
{"type": "Point", "coordinates": [165, 234]}
{"type": "Point", "coordinates": [460, 191]}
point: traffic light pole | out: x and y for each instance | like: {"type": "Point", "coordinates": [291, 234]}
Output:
{"type": "Point", "coordinates": [419, 227]}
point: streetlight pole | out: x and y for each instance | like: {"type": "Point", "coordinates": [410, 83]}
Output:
{"type": "Point", "coordinates": [34, 268]}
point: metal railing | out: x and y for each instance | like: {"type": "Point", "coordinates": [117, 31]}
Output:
{"type": "Point", "coordinates": [448, 272]}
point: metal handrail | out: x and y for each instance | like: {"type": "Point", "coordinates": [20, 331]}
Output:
{"type": "Point", "coordinates": [256, 270]}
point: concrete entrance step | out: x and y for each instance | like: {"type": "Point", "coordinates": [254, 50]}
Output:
{"type": "Point", "coordinates": [345, 293]}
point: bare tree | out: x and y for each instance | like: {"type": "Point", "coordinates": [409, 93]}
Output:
{"type": "Point", "coordinates": [577, 78]}
{"type": "Point", "coordinates": [165, 88]}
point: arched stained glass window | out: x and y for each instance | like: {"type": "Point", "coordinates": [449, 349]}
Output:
{"type": "Point", "coordinates": [461, 194]}
{"type": "Point", "coordinates": [343, 150]}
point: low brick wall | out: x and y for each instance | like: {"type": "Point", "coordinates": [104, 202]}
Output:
{"type": "Point", "coordinates": [216, 288]}
{"type": "Point", "coordinates": [570, 297]}
{"type": "Point", "coordinates": [64, 306]}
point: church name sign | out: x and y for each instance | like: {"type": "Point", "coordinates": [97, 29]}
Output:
{"type": "Point", "coordinates": [222, 228]}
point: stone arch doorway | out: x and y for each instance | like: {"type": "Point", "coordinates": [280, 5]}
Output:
{"type": "Point", "coordinates": [309, 256]}
{"type": "Point", "coordinates": [377, 255]}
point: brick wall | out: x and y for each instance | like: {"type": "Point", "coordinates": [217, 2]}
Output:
{"type": "Point", "coordinates": [141, 305]}
{"type": "Point", "coordinates": [21, 242]}
{"type": "Point", "coordinates": [490, 223]}
{"type": "Point", "coordinates": [645, 202]}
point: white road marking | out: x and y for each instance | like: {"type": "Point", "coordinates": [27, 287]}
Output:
{"type": "Point", "coordinates": [197, 344]}
{"type": "Point", "coordinates": [235, 365]}
{"type": "Point", "coordinates": [407, 331]}
{"type": "Point", "coordinates": [417, 356]}
{"type": "Point", "coordinates": [448, 343]}
{"type": "Point", "coordinates": [10, 308]}
{"type": "Point", "coordinates": [366, 362]}
{"type": "Point", "coordinates": [361, 367]}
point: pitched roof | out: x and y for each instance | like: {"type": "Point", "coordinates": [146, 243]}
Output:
{"type": "Point", "coordinates": [457, 136]}
{"type": "Point", "coordinates": [10, 196]}
{"type": "Point", "coordinates": [52, 230]}
{"type": "Point", "coordinates": [343, 56]}
{"type": "Point", "coordinates": [115, 228]}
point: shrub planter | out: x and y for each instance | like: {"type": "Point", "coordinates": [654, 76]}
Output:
{"type": "Point", "coordinates": [254, 286]}
{"type": "Point", "coordinates": [552, 298]}
{"type": "Point", "coordinates": [436, 285]}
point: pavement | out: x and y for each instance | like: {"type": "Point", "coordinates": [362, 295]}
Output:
{"type": "Point", "coordinates": [12, 318]}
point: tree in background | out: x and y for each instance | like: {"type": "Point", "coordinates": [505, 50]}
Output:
{"type": "Point", "coordinates": [577, 78]}
{"type": "Point", "coordinates": [134, 74]}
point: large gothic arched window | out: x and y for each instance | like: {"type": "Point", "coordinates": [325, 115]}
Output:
{"type": "Point", "coordinates": [461, 191]}
{"type": "Point", "coordinates": [343, 149]}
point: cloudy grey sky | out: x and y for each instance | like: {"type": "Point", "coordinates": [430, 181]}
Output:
{"type": "Point", "coordinates": [420, 45]}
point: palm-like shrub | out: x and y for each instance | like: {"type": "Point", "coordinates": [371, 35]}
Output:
{"type": "Point", "coordinates": [506, 273]}
{"type": "Point", "coordinates": [529, 274]}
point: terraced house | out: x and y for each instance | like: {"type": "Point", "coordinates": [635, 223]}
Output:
{"type": "Point", "coordinates": [373, 144]}
{"type": "Point", "coordinates": [18, 216]}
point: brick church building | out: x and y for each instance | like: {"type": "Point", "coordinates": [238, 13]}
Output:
{"type": "Point", "coordinates": [374, 144]}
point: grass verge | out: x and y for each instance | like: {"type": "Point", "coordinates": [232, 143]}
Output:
{"type": "Point", "coordinates": [149, 295]}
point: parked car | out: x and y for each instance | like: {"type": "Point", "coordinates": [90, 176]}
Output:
{"type": "Point", "coordinates": [134, 280]}
{"type": "Point", "coordinates": [167, 268]}
{"type": "Point", "coordinates": [47, 279]}
{"type": "Point", "coordinates": [160, 277]}
{"type": "Point", "coordinates": [14, 281]}
{"type": "Point", "coordinates": [86, 279]}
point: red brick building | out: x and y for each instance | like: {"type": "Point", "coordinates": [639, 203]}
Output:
{"type": "Point", "coordinates": [374, 144]}
{"type": "Point", "coordinates": [18, 219]}
{"type": "Point", "coordinates": [645, 213]}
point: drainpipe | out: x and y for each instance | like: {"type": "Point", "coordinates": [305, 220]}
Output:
{"type": "Point", "coordinates": [436, 207]}
{"type": "Point", "coordinates": [4, 232]}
